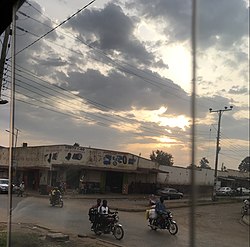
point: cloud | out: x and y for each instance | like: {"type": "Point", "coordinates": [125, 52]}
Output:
{"type": "Point", "coordinates": [111, 30]}
{"type": "Point", "coordinates": [238, 90]}
{"type": "Point", "coordinates": [118, 82]}
{"type": "Point", "coordinates": [222, 23]}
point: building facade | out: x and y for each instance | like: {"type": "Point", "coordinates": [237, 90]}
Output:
{"type": "Point", "coordinates": [90, 170]}
{"type": "Point", "coordinates": [80, 168]}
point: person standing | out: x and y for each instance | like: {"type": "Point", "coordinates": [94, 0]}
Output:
{"type": "Point", "coordinates": [21, 189]}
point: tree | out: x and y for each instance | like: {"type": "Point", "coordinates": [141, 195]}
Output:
{"type": "Point", "coordinates": [204, 163]}
{"type": "Point", "coordinates": [190, 166]}
{"type": "Point", "coordinates": [245, 165]}
{"type": "Point", "coordinates": [162, 158]}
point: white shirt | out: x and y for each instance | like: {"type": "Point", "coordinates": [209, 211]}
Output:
{"type": "Point", "coordinates": [103, 210]}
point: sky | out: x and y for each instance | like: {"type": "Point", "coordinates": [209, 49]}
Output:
{"type": "Point", "coordinates": [117, 76]}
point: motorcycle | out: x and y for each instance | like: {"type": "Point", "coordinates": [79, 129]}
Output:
{"type": "Point", "coordinates": [165, 222]}
{"type": "Point", "coordinates": [107, 224]}
{"type": "Point", "coordinates": [245, 208]}
{"type": "Point", "coordinates": [56, 201]}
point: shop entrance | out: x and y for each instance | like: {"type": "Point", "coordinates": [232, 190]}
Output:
{"type": "Point", "coordinates": [72, 179]}
{"type": "Point", "coordinates": [114, 182]}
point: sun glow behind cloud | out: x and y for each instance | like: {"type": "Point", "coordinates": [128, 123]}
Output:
{"type": "Point", "coordinates": [156, 116]}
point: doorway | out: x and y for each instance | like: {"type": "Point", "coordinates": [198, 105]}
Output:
{"type": "Point", "coordinates": [114, 182]}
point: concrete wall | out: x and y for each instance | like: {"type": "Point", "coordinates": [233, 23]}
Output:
{"type": "Point", "coordinates": [46, 156]}
{"type": "Point", "coordinates": [180, 175]}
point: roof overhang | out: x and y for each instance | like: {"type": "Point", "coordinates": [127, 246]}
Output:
{"type": "Point", "coordinates": [6, 7]}
{"type": "Point", "coordinates": [139, 170]}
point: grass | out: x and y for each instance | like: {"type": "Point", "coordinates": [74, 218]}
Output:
{"type": "Point", "coordinates": [20, 239]}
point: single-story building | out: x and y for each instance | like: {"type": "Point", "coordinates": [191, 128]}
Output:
{"type": "Point", "coordinates": [80, 168]}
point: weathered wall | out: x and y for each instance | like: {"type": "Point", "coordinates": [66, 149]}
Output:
{"type": "Point", "coordinates": [181, 175]}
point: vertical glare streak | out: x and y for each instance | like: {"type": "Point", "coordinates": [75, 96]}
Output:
{"type": "Point", "coordinates": [193, 113]}
{"type": "Point", "coordinates": [12, 115]}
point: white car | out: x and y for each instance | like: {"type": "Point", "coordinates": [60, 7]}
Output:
{"type": "Point", "coordinates": [224, 191]}
{"type": "Point", "coordinates": [4, 185]}
{"type": "Point", "coordinates": [243, 191]}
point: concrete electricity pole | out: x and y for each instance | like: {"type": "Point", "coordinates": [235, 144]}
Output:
{"type": "Point", "coordinates": [217, 146]}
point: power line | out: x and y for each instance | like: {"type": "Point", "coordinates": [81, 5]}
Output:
{"type": "Point", "coordinates": [53, 29]}
{"type": "Point", "coordinates": [91, 102]}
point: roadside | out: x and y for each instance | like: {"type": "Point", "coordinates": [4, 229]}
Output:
{"type": "Point", "coordinates": [30, 235]}
{"type": "Point", "coordinates": [129, 203]}
{"type": "Point", "coordinates": [140, 202]}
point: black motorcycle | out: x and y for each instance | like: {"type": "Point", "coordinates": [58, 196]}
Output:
{"type": "Point", "coordinates": [164, 222]}
{"type": "Point", "coordinates": [245, 208]}
{"type": "Point", "coordinates": [106, 224]}
{"type": "Point", "coordinates": [56, 201]}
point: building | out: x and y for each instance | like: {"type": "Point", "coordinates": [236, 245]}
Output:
{"type": "Point", "coordinates": [90, 170]}
{"type": "Point", "coordinates": [80, 168]}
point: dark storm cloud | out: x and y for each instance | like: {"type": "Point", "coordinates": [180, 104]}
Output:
{"type": "Point", "coordinates": [222, 22]}
{"type": "Point", "coordinates": [122, 92]}
{"type": "Point", "coordinates": [111, 30]}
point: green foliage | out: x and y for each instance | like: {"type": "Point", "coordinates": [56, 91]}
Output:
{"type": "Point", "coordinates": [162, 158]}
{"type": "Point", "coordinates": [3, 239]}
{"type": "Point", "coordinates": [204, 163]}
{"type": "Point", "coordinates": [245, 165]}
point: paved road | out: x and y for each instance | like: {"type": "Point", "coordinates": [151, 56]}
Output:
{"type": "Point", "coordinates": [217, 225]}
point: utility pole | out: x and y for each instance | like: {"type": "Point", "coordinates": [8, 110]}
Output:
{"type": "Point", "coordinates": [220, 112]}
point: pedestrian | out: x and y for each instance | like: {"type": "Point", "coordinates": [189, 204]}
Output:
{"type": "Point", "coordinates": [21, 189]}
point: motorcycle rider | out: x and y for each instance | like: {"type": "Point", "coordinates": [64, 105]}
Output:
{"type": "Point", "coordinates": [103, 211]}
{"type": "Point", "coordinates": [93, 213]}
{"type": "Point", "coordinates": [161, 211]}
{"type": "Point", "coordinates": [55, 194]}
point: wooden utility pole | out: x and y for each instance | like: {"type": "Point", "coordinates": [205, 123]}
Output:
{"type": "Point", "coordinates": [218, 147]}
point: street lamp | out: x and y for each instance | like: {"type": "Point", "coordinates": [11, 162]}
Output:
{"type": "Point", "coordinates": [15, 134]}
{"type": "Point", "coordinates": [218, 148]}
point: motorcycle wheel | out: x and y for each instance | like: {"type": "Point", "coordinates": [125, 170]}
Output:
{"type": "Point", "coordinates": [118, 232]}
{"type": "Point", "coordinates": [61, 204]}
{"type": "Point", "coordinates": [98, 233]}
{"type": "Point", "coordinates": [173, 228]}
{"type": "Point", "coordinates": [151, 222]}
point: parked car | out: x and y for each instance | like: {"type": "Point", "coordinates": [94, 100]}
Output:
{"type": "Point", "coordinates": [169, 193]}
{"type": "Point", "coordinates": [224, 191]}
{"type": "Point", "coordinates": [242, 191]}
{"type": "Point", "coordinates": [4, 185]}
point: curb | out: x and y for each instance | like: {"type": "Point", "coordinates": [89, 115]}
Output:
{"type": "Point", "coordinates": [99, 239]}
{"type": "Point", "coordinates": [184, 205]}
{"type": "Point", "coordinates": [245, 219]}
